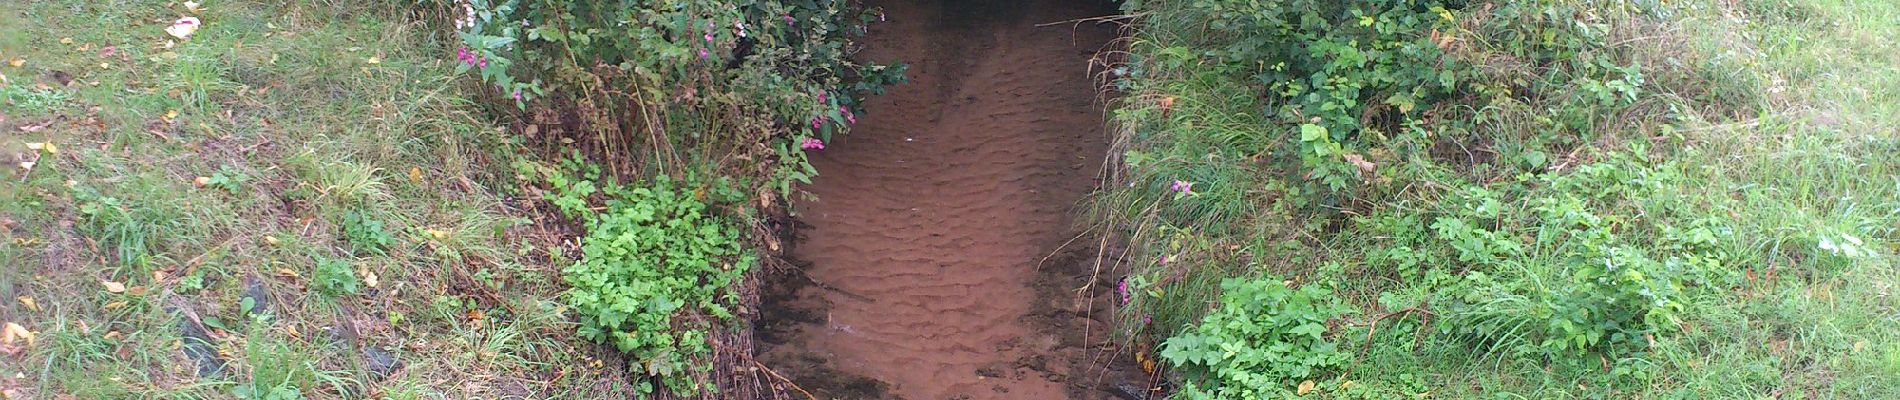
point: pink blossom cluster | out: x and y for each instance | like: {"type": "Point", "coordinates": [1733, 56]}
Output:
{"type": "Point", "coordinates": [470, 58]}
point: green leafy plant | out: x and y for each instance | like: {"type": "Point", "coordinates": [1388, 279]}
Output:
{"type": "Point", "coordinates": [366, 235]}
{"type": "Point", "coordinates": [654, 265]}
{"type": "Point", "coordinates": [335, 277]}
{"type": "Point", "coordinates": [228, 179]}
{"type": "Point", "coordinates": [770, 79]}
{"type": "Point", "coordinates": [1260, 343]}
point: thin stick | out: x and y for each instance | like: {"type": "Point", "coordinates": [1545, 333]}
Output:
{"type": "Point", "coordinates": [782, 378]}
{"type": "Point", "coordinates": [1105, 18]}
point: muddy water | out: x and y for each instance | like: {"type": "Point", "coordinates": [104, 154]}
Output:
{"type": "Point", "coordinates": [934, 214]}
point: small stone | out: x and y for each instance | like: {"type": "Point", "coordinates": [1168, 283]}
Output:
{"type": "Point", "coordinates": [380, 362]}
{"type": "Point", "coordinates": [201, 349]}
{"type": "Point", "coordinates": [259, 295]}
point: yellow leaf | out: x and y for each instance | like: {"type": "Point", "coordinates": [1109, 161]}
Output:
{"type": "Point", "coordinates": [35, 146]}
{"type": "Point", "coordinates": [66, 41]}
{"type": "Point", "coordinates": [374, 60]}
{"type": "Point", "coordinates": [52, 148]}
{"type": "Point", "coordinates": [1860, 345]}
{"type": "Point", "coordinates": [415, 174]}
{"type": "Point", "coordinates": [287, 272]}
{"type": "Point", "coordinates": [202, 181]}
{"type": "Point", "coordinates": [16, 332]}
{"type": "Point", "coordinates": [270, 240]}
{"type": "Point", "coordinates": [35, 305]}
{"type": "Point", "coordinates": [1306, 387]}
{"type": "Point", "coordinates": [369, 278]}
{"type": "Point", "coordinates": [113, 287]}
{"type": "Point", "coordinates": [16, 62]}
{"type": "Point", "coordinates": [170, 115]}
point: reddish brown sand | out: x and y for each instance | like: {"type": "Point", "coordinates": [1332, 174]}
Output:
{"type": "Point", "coordinates": [934, 213]}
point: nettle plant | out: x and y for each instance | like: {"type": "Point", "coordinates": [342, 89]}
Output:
{"type": "Point", "coordinates": [654, 272]}
{"type": "Point", "coordinates": [1263, 340]}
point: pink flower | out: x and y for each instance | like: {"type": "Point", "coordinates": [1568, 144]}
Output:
{"type": "Point", "coordinates": [1121, 288]}
{"type": "Point", "coordinates": [789, 20]}
{"type": "Point", "coordinates": [1184, 187]}
{"type": "Point", "coordinates": [816, 123]}
{"type": "Point", "coordinates": [517, 95]}
{"type": "Point", "coordinates": [821, 97]}
{"type": "Point", "coordinates": [848, 116]}
{"type": "Point", "coordinates": [812, 144]}
{"type": "Point", "coordinates": [709, 37]}
{"type": "Point", "coordinates": [741, 26]}
{"type": "Point", "coordinates": [703, 54]}
{"type": "Point", "coordinates": [483, 63]}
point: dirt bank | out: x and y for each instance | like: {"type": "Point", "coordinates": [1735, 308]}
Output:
{"type": "Point", "coordinates": [939, 230]}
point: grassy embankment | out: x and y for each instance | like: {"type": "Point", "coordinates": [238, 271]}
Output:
{"type": "Point", "coordinates": [1532, 199]}
{"type": "Point", "coordinates": [349, 191]}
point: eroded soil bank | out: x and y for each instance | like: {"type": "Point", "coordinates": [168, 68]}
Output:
{"type": "Point", "coordinates": [936, 249]}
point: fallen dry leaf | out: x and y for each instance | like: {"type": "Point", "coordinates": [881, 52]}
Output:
{"type": "Point", "coordinates": [113, 287]}
{"type": "Point", "coordinates": [415, 174]}
{"type": "Point", "coordinates": [15, 332]}
{"type": "Point", "coordinates": [1360, 161]}
{"type": "Point", "coordinates": [183, 27]}
{"type": "Point", "coordinates": [29, 303]}
{"type": "Point", "coordinates": [369, 278]}
{"type": "Point", "coordinates": [66, 41]}
{"type": "Point", "coordinates": [201, 181]}
{"type": "Point", "coordinates": [1306, 387]}
{"type": "Point", "coordinates": [16, 62]}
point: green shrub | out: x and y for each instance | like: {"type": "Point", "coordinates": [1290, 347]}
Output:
{"type": "Point", "coordinates": [654, 265]}
{"type": "Point", "coordinates": [1260, 343]}
{"type": "Point", "coordinates": [684, 86]}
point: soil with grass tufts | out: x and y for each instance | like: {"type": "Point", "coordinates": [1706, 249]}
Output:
{"type": "Point", "coordinates": [937, 258]}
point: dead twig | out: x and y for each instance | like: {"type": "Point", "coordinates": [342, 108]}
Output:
{"type": "Point", "coordinates": [1421, 308]}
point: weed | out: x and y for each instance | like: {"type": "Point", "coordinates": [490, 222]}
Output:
{"type": "Point", "coordinates": [335, 277]}
{"type": "Point", "coordinates": [1263, 340]}
{"type": "Point", "coordinates": [365, 235]}
{"type": "Point", "coordinates": [654, 257]}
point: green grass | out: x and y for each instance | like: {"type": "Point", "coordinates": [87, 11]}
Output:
{"type": "Point", "coordinates": [1767, 122]}
{"type": "Point", "coordinates": [310, 121]}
